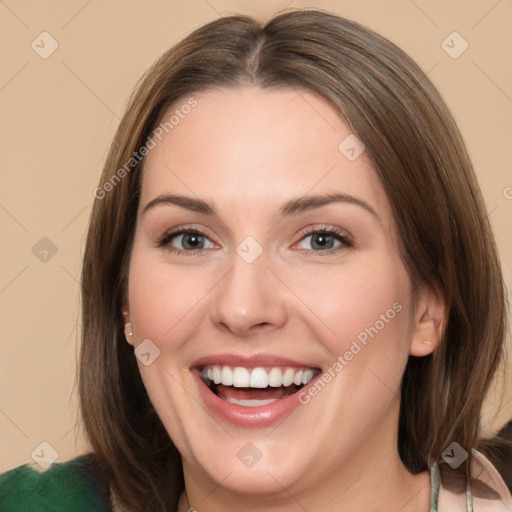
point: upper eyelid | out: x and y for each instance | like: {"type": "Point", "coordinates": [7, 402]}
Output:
{"type": "Point", "coordinates": [345, 239]}
{"type": "Point", "coordinates": [182, 231]}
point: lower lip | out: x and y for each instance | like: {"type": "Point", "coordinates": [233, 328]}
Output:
{"type": "Point", "coordinates": [249, 417]}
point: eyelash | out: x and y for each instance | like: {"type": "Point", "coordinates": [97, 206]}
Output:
{"type": "Point", "coordinates": [166, 239]}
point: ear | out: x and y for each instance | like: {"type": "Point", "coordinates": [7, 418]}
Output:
{"type": "Point", "coordinates": [429, 321]}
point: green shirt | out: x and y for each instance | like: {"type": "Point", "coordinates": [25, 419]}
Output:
{"type": "Point", "coordinates": [67, 486]}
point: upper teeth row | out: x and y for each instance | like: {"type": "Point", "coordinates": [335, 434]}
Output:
{"type": "Point", "coordinates": [241, 377]}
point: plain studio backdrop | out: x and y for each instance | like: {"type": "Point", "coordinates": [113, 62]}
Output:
{"type": "Point", "coordinates": [66, 72]}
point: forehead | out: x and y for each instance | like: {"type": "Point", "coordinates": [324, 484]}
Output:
{"type": "Point", "coordinates": [257, 146]}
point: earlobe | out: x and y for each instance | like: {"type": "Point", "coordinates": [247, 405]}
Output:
{"type": "Point", "coordinates": [428, 323]}
{"type": "Point", "coordinates": [128, 333]}
{"type": "Point", "coordinates": [128, 328]}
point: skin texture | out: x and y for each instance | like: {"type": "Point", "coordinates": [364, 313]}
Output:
{"type": "Point", "coordinates": [247, 151]}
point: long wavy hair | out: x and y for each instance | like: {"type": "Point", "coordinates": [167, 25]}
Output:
{"type": "Point", "coordinates": [423, 165]}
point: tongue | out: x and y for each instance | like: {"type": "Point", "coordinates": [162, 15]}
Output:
{"type": "Point", "coordinates": [254, 394]}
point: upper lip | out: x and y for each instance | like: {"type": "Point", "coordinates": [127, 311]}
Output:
{"type": "Point", "coordinates": [250, 361]}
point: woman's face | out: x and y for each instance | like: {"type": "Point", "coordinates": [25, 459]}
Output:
{"type": "Point", "coordinates": [283, 268]}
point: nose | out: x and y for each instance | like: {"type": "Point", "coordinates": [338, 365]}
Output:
{"type": "Point", "coordinates": [249, 298]}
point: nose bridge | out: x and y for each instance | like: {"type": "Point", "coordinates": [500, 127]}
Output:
{"type": "Point", "coordinates": [247, 296]}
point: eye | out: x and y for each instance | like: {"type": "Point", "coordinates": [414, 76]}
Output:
{"type": "Point", "coordinates": [190, 241]}
{"type": "Point", "coordinates": [325, 240]}
{"type": "Point", "coordinates": [187, 241]}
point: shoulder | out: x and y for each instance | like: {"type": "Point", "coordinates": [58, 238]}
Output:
{"type": "Point", "coordinates": [490, 493]}
{"type": "Point", "coordinates": [72, 485]}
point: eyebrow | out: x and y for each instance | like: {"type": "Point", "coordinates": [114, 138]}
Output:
{"type": "Point", "coordinates": [291, 207]}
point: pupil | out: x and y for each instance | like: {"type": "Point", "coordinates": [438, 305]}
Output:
{"type": "Point", "coordinates": [323, 241]}
{"type": "Point", "coordinates": [192, 240]}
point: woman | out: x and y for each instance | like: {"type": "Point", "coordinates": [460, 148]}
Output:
{"type": "Point", "coordinates": [277, 313]}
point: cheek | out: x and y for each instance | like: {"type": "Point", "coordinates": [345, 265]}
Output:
{"type": "Point", "coordinates": [365, 306]}
{"type": "Point", "coordinates": [162, 299]}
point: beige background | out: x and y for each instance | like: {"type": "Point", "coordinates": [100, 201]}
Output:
{"type": "Point", "coordinates": [59, 114]}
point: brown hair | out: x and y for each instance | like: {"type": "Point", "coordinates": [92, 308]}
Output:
{"type": "Point", "coordinates": [422, 162]}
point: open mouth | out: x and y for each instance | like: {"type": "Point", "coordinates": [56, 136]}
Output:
{"type": "Point", "coordinates": [255, 387]}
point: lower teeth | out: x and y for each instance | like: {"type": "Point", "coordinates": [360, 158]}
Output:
{"type": "Point", "coordinates": [251, 403]}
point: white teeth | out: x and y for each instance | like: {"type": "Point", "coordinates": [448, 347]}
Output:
{"type": "Point", "coordinates": [241, 377]}
{"type": "Point", "coordinates": [288, 377]}
{"type": "Point", "coordinates": [307, 376]}
{"type": "Point", "coordinates": [258, 378]}
{"type": "Point", "coordinates": [227, 376]}
{"type": "Point", "coordinates": [216, 375]}
{"type": "Point", "coordinates": [251, 403]}
{"type": "Point", "coordinates": [275, 378]}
